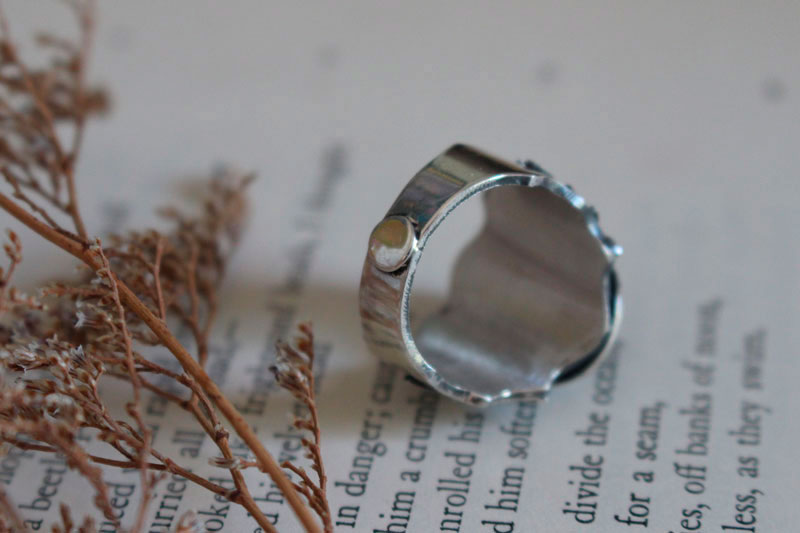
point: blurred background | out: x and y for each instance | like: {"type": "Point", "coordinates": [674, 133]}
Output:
{"type": "Point", "coordinates": [634, 103]}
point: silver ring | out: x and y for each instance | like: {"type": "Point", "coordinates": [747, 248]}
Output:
{"type": "Point", "coordinates": [534, 298]}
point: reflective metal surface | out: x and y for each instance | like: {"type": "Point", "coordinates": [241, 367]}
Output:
{"type": "Point", "coordinates": [533, 298]}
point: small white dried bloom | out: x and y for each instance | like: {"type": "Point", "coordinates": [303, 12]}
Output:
{"type": "Point", "coordinates": [220, 431]}
{"type": "Point", "coordinates": [76, 352]}
{"type": "Point", "coordinates": [189, 523]}
{"type": "Point", "coordinates": [25, 357]}
{"type": "Point", "coordinates": [21, 296]}
{"type": "Point", "coordinates": [234, 463]}
{"type": "Point", "coordinates": [55, 402]}
{"type": "Point", "coordinates": [101, 277]}
{"type": "Point", "coordinates": [284, 370]}
{"type": "Point", "coordinates": [81, 319]}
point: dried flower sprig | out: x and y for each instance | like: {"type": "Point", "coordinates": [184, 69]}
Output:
{"type": "Point", "coordinates": [294, 371]}
{"type": "Point", "coordinates": [36, 104]}
{"type": "Point", "coordinates": [59, 346]}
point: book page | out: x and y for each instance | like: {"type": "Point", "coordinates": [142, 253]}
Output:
{"type": "Point", "coordinates": [680, 123]}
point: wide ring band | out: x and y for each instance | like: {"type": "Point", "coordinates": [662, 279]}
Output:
{"type": "Point", "coordinates": [534, 298]}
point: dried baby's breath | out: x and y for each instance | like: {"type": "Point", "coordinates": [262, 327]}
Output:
{"type": "Point", "coordinates": [136, 288]}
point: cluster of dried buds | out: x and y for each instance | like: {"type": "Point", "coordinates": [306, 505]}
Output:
{"type": "Point", "coordinates": [135, 289]}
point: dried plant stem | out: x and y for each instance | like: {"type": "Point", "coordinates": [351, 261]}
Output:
{"type": "Point", "coordinates": [86, 18]}
{"type": "Point", "coordinates": [157, 278]}
{"type": "Point", "coordinates": [141, 280]}
{"type": "Point", "coordinates": [166, 465]}
{"type": "Point", "coordinates": [294, 371]}
{"type": "Point", "coordinates": [9, 511]}
{"type": "Point", "coordinates": [73, 204]}
{"type": "Point", "coordinates": [211, 426]}
{"type": "Point", "coordinates": [266, 462]}
{"type": "Point", "coordinates": [147, 480]}
{"type": "Point", "coordinates": [66, 160]}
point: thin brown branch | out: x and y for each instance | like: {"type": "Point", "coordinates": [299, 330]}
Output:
{"type": "Point", "coordinates": [140, 282]}
{"type": "Point", "coordinates": [8, 510]}
{"type": "Point", "coordinates": [134, 408]}
{"type": "Point", "coordinates": [20, 195]}
{"type": "Point", "coordinates": [294, 371]}
{"type": "Point", "coordinates": [266, 462]}
{"type": "Point", "coordinates": [162, 312]}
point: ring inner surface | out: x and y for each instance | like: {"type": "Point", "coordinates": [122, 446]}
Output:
{"type": "Point", "coordinates": [528, 297]}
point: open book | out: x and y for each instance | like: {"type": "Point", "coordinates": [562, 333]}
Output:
{"type": "Point", "coordinates": [680, 123]}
